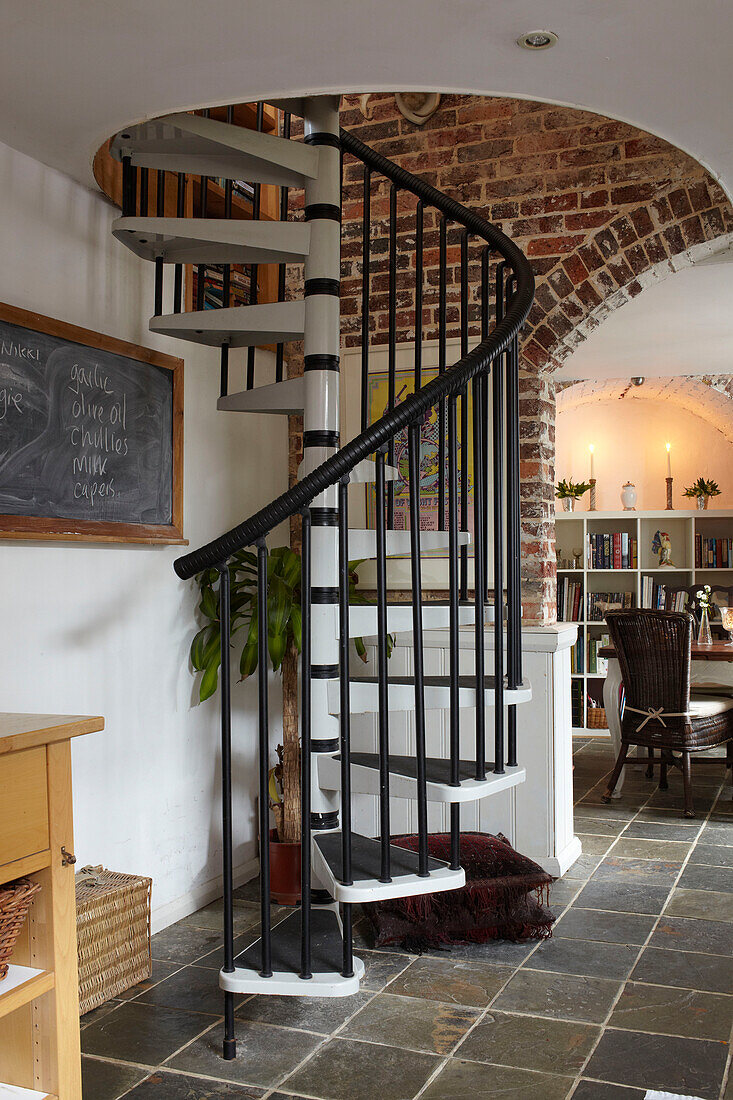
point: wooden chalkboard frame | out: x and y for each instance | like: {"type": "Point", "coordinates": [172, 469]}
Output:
{"type": "Point", "coordinates": [66, 530]}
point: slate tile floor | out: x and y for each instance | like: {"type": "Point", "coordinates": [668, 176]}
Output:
{"type": "Point", "coordinates": [635, 990]}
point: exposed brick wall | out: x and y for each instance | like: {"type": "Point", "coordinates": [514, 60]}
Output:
{"type": "Point", "coordinates": [600, 208]}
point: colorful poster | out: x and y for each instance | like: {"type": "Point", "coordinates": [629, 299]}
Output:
{"type": "Point", "coordinates": [430, 473]}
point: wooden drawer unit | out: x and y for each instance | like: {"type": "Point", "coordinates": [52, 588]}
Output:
{"type": "Point", "coordinates": [24, 804]}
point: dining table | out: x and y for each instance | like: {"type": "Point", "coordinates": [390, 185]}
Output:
{"type": "Point", "coordinates": [719, 652]}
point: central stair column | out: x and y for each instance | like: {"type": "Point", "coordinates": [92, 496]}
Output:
{"type": "Point", "coordinates": [321, 423]}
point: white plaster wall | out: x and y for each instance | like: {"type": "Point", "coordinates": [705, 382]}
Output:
{"type": "Point", "coordinates": [629, 438]}
{"type": "Point", "coordinates": [105, 629]}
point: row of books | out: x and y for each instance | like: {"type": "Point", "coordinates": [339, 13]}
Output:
{"type": "Point", "coordinates": [597, 666]}
{"type": "Point", "coordinates": [713, 553]}
{"type": "Point", "coordinates": [660, 597]}
{"type": "Point", "coordinates": [569, 600]}
{"type": "Point", "coordinates": [239, 286]}
{"type": "Point", "coordinates": [617, 550]}
{"type": "Point", "coordinates": [577, 703]}
{"type": "Point", "coordinates": [601, 602]}
{"type": "Point", "coordinates": [577, 654]}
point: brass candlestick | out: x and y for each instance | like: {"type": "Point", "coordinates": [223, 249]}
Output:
{"type": "Point", "coordinates": [669, 494]}
{"type": "Point", "coordinates": [592, 506]}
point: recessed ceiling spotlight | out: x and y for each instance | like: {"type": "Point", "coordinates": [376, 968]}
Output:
{"type": "Point", "coordinates": [537, 40]}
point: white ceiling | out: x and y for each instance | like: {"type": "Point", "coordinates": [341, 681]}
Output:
{"type": "Point", "coordinates": [73, 72]}
{"type": "Point", "coordinates": [683, 325]}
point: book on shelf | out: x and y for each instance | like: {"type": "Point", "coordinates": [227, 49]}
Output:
{"type": "Point", "coordinates": [240, 286]}
{"type": "Point", "coordinates": [577, 703]}
{"type": "Point", "coordinates": [577, 654]}
{"type": "Point", "coordinates": [569, 600]}
{"type": "Point", "coordinates": [660, 597]}
{"type": "Point", "coordinates": [601, 602]}
{"type": "Point", "coordinates": [713, 553]}
{"type": "Point", "coordinates": [615, 550]}
{"type": "Point", "coordinates": [597, 666]}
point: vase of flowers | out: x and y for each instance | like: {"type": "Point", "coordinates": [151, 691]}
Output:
{"type": "Point", "coordinates": [702, 489]}
{"type": "Point", "coordinates": [704, 636]}
{"type": "Point", "coordinates": [569, 491]}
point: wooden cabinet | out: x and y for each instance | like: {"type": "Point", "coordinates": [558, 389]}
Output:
{"type": "Point", "coordinates": [39, 1006]}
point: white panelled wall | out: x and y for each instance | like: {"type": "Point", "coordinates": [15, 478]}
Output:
{"type": "Point", "coordinates": [105, 629]}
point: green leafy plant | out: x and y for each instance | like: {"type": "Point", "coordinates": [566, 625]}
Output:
{"type": "Point", "coordinates": [570, 488]}
{"type": "Point", "coordinates": [703, 488]}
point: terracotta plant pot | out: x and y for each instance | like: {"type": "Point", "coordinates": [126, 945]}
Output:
{"type": "Point", "coordinates": [284, 871]}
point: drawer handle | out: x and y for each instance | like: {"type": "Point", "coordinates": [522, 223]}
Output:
{"type": "Point", "coordinates": [67, 858]}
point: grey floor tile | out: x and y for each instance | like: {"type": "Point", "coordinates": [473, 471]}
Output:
{"type": "Point", "coordinates": [556, 1046]}
{"type": "Point", "coordinates": [713, 855]}
{"type": "Point", "coordinates": [503, 952]}
{"type": "Point", "coordinates": [639, 848]}
{"type": "Point", "coordinates": [380, 967]}
{"type": "Point", "coordinates": [319, 1014]}
{"type": "Point", "coordinates": [161, 970]}
{"type": "Point", "coordinates": [264, 1054]}
{"type": "Point", "coordinates": [689, 1066]}
{"type": "Point", "coordinates": [214, 960]}
{"type": "Point", "coordinates": [670, 1011]}
{"type": "Point", "coordinates": [707, 904]}
{"type": "Point", "coordinates": [412, 1023]}
{"type": "Point", "coordinates": [685, 934]}
{"type": "Point", "coordinates": [453, 981]}
{"type": "Point", "coordinates": [192, 988]}
{"type": "Point", "coordinates": [717, 832]}
{"type": "Point", "coordinates": [599, 1090]}
{"type": "Point", "coordinates": [99, 1012]}
{"type": "Point", "coordinates": [692, 970]}
{"type": "Point", "coordinates": [648, 871]}
{"type": "Point", "coordinates": [348, 1070]}
{"type": "Point", "coordinates": [184, 945]}
{"type": "Point", "coordinates": [668, 830]}
{"type": "Point", "coordinates": [718, 879]}
{"type": "Point", "coordinates": [562, 893]}
{"type": "Point", "coordinates": [459, 1080]}
{"type": "Point", "coordinates": [583, 867]}
{"type": "Point", "coordinates": [174, 1086]}
{"type": "Point", "coordinates": [594, 924]}
{"type": "Point", "coordinates": [623, 897]}
{"type": "Point", "coordinates": [559, 996]}
{"type": "Point", "coordinates": [589, 957]}
{"type": "Point", "coordinates": [142, 1033]}
{"type": "Point", "coordinates": [598, 826]}
{"type": "Point", "coordinates": [594, 845]}
{"type": "Point", "coordinates": [107, 1080]}
{"type": "Point", "coordinates": [212, 917]}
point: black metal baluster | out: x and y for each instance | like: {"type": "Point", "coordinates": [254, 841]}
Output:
{"type": "Point", "coordinates": [498, 485]}
{"type": "Point", "coordinates": [201, 268]}
{"type": "Point", "coordinates": [442, 280]}
{"type": "Point", "coordinates": [264, 761]}
{"type": "Point", "coordinates": [419, 260]}
{"type": "Point", "coordinates": [514, 598]}
{"type": "Point", "coordinates": [478, 578]}
{"type": "Point", "coordinates": [160, 213]}
{"type": "Point", "coordinates": [129, 187]}
{"type": "Point", "coordinates": [464, 412]}
{"type": "Point", "coordinates": [229, 1049]}
{"type": "Point", "coordinates": [256, 198]}
{"type": "Point", "coordinates": [392, 337]}
{"type": "Point", "coordinates": [226, 279]}
{"type": "Point", "coordinates": [417, 649]}
{"type": "Point", "coordinates": [280, 349]}
{"type": "Point", "coordinates": [345, 718]}
{"type": "Point", "coordinates": [454, 711]}
{"type": "Point", "coordinates": [178, 272]}
{"type": "Point", "coordinates": [485, 322]}
{"type": "Point", "coordinates": [365, 282]}
{"type": "Point", "coordinates": [381, 539]}
{"type": "Point", "coordinates": [144, 192]}
{"type": "Point", "coordinates": [305, 741]}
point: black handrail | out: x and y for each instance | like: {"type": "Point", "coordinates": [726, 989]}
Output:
{"type": "Point", "coordinates": [381, 431]}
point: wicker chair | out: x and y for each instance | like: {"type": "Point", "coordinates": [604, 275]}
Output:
{"type": "Point", "coordinates": [653, 649]}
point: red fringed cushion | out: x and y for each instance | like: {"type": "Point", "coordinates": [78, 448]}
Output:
{"type": "Point", "coordinates": [504, 898]}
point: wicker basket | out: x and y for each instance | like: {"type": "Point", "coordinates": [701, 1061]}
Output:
{"type": "Point", "coordinates": [596, 718]}
{"type": "Point", "coordinates": [113, 933]}
{"type": "Point", "coordinates": [15, 901]}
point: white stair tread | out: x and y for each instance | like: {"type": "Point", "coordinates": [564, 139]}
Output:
{"type": "Point", "coordinates": [279, 397]}
{"type": "Point", "coordinates": [435, 616]}
{"type": "Point", "coordinates": [403, 777]}
{"type": "Point", "coordinates": [326, 961]}
{"type": "Point", "coordinates": [213, 240]}
{"type": "Point", "coordinates": [401, 693]}
{"type": "Point", "coordinates": [365, 472]}
{"type": "Point", "coordinates": [363, 542]}
{"type": "Point", "coordinates": [366, 862]}
{"type": "Point", "coordinates": [205, 147]}
{"type": "Point", "coordinates": [238, 326]}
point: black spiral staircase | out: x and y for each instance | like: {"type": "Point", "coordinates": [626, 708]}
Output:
{"type": "Point", "coordinates": [310, 953]}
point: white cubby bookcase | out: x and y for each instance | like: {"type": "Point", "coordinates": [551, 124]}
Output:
{"type": "Point", "coordinates": [572, 534]}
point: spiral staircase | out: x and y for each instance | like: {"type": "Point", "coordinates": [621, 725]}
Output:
{"type": "Point", "coordinates": [310, 953]}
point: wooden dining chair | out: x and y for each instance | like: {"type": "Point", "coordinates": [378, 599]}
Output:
{"type": "Point", "coordinates": [654, 652]}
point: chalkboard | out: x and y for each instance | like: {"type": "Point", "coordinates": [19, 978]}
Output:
{"type": "Point", "coordinates": [90, 435]}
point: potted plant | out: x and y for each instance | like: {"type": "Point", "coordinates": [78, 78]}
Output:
{"type": "Point", "coordinates": [569, 491]}
{"type": "Point", "coordinates": [702, 489]}
{"type": "Point", "coordinates": [284, 640]}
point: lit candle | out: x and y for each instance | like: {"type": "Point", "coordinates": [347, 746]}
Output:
{"type": "Point", "coordinates": [591, 448]}
{"type": "Point", "coordinates": [669, 460]}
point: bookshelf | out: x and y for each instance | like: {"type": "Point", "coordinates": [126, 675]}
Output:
{"type": "Point", "coordinates": [578, 533]}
